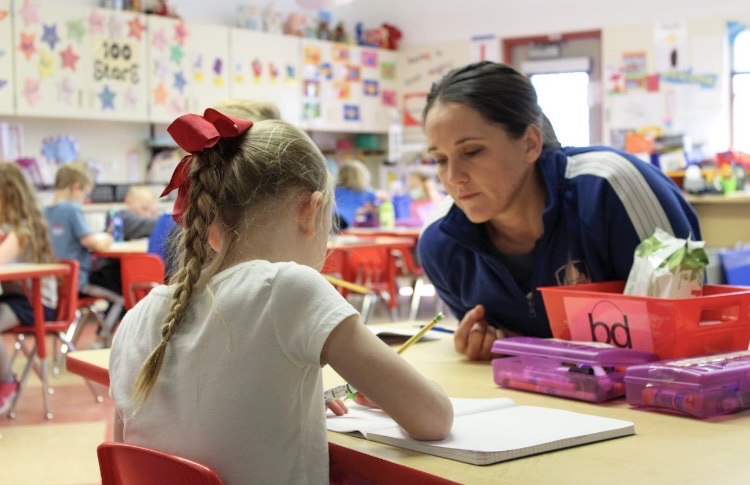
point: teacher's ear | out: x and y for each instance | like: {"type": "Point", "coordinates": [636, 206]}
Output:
{"type": "Point", "coordinates": [534, 141]}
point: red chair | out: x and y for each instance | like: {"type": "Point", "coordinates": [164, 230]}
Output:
{"type": "Point", "coordinates": [123, 464]}
{"type": "Point", "coordinates": [67, 304]}
{"type": "Point", "coordinates": [140, 273]}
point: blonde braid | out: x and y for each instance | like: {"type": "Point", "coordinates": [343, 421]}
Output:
{"type": "Point", "coordinates": [205, 182]}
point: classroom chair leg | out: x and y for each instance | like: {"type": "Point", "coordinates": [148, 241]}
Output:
{"type": "Point", "coordinates": [416, 296]}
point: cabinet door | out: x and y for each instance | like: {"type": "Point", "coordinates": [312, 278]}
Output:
{"type": "Point", "coordinates": [331, 86]}
{"type": "Point", "coordinates": [6, 59]}
{"type": "Point", "coordinates": [78, 62]}
{"type": "Point", "coordinates": [266, 67]}
{"type": "Point", "coordinates": [379, 89]}
{"type": "Point", "coordinates": [188, 69]}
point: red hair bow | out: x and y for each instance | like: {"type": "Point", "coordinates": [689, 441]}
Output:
{"type": "Point", "coordinates": [194, 133]}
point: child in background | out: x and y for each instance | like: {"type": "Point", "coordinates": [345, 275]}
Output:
{"type": "Point", "coordinates": [354, 196]}
{"type": "Point", "coordinates": [224, 365]}
{"type": "Point", "coordinates": [23, 239]}
{"type": "Point", "coordinates": [71, 236]}
{"type": "Point", "coordinates": [425, 197]}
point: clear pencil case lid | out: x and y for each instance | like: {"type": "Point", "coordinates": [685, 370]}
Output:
{"type": "Point", "coordinates": [587, 371]}
{"type": "Point", "coordinates": [698, 386]}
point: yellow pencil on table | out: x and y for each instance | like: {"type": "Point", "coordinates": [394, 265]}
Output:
{"type": "Point", "coordinates": [347, 391]}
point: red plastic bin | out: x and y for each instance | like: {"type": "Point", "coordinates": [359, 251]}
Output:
{"type": "Point", "coordinates": [717, 321]}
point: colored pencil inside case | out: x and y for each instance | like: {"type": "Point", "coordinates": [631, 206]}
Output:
{"type": "Point", "coordinates": [701, 386]}
{"type": "Point", "coordinates": [587, 371]}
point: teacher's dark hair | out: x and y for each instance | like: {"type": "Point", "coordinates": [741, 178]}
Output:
{"type": "Point", "coordinates": [499, 93]}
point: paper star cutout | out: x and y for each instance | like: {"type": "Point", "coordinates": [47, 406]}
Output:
{"type": "Point", "coordinates": [27, 45]}
{"type": "Point", "coordinates": [177, 106]}
{"type": "Point", "coordinates": [65, 90]}
{"type": "Point", "coordinates": [180, 32]}
{"type": "Point", "coordinates": [29, 12]}
{"type": "Point", "coordinates": [218, 81]}
{"type": "Point", "coordinates": [3, 83]}
{"type": "Point", "coordinates": [136, 28]}
{"type": "Point", "coordinates": [218, 66]}
{"type": "Point", "coordinates": [159, 39]}
{"type": "Point", "coordinates": [160, 95]}
{"type": "Point", "coordinates": [107, 97]}
{"type": "Point", "coordinates": [115, 27]}
{"type": "Point", "coordinates": [46, 65]}
{"type": "Point", "coordinates": [176, 54]}
{"type": "Point", "coordinates": [31, 91]}
{"type": "Point", "coordinates": [179, 81]}
{"type": "Point", "coordinates": [198, 77]}
{"type": "Point", "coordinates": [161, 69]}
{"type": "Point", "coordinates": [3, 14]}
{"type": "Point", "coordinates": [76, 30]}
{"type": "Point", "coordinates": [50, 35]}
{"type": "Point", "coordinates": [131, 98]}
{"type": "Point", "coordinates": [197, 61]}
{"type": "Point", "coordinates": [96, 22]}
{"type": "Point", "coordinates": [2, 52]}
{"type": "Point", "coordinates": [69, 58]}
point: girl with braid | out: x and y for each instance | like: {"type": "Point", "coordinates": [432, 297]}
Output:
{"type": "Point", "coordinates": [223, 366]}
{"type": "Point", "coordinates": [23, 239]}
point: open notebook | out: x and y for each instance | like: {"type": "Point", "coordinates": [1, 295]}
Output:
{"type": "Point", "coordinates": [488, 431]}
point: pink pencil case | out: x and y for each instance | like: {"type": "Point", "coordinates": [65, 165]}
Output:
{"type": "Point", "coordinates": [588, 371]}
{"type": "Point", "coordinates": [699, 386]}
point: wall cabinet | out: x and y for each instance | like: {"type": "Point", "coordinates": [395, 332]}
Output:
{"type": "Point", "coordinates": [266, 67]}
{"type": "Point", "coordinates": [73, 61]}
{"type": "Point", "coordinates": [6, 59]}
{"type": "Point", "coordinates": [188, 67]}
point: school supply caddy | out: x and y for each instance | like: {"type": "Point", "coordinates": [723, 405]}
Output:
{"type": "Point", "coordinates": [702, 386]}
{"type": "Point", "coordinates": [587, 371]}
{"type": "Point", "coordinates": [717, 321]}
{"type": "Point", "coordinates": [487, 431]}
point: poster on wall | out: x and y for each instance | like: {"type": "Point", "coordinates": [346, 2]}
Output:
{"type": "Point", "coordinates": [485, 48]}
{"type": "Point", "coordinates": [671, 46]}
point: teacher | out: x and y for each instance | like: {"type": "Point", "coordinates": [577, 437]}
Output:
{"type": "Point", "coordinates": [524, 212]}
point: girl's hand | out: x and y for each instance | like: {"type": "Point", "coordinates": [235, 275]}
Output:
{"type": "Point", "coordinates": [338, 407]}
{"type": "Point", "coordinates": [474, 336]}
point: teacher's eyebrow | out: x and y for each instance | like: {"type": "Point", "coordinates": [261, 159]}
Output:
{"type": "Point", "coordinates": [458, 142]}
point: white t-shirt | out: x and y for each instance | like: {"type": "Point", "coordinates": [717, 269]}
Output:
{"type": "Point", "coordinates": [240, 389]}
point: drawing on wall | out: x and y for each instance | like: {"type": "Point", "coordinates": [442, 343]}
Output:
{"type": "Point", "coordinates": [340, 52]}
{"type": "Point", "coordinates": [351, 112]}
{"type": "Point", "coordinates": [312, 56]}
{"type": "Point", "coordinates": [413, 103]}
{"type": "Point", "coordinates": [370, 87]}
{"type": "Point", "coordinates": [369, 58]}
{"type": "Point", "coordinates": [634, 65]}
{"type": "Point", "coordinates": [484, 48]}
{"type": "Point", "coordinates": [388, 71]}
{"type": "Point", "coordinates": [671, 46]}
{"type": "Point", "coordinates": [311, 110]}
{"type": "Point", "coordinates": [388, 97]}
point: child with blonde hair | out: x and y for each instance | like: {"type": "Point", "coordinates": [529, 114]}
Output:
{"type": "Point", "coordinates": [23, 239]}
{"type": "Point", "coordinates": [224, 365]}
{"type": "Point", "coordinates": [71, 236]}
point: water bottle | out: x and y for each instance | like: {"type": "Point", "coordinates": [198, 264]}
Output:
{"type": "Point", "coordinates": [115, 226]}
{"type": "Point", "coordinates": [387, 215]}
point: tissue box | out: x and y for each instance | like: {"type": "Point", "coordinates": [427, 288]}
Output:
{"type": "Point", "coordinates": [702, 387]}
{"type": "Point", "coordinates": [578, 370]}
{"type": "Point", "coordinates": [718, 321]}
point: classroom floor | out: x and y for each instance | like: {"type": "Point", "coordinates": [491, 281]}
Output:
{"type": "Point", "coordinates": [62, 451]}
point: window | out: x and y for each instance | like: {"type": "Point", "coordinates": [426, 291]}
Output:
{"type": "Point", "coordinates": [564, 99]}
{"type": "Point", "coordinates": [741, 92]}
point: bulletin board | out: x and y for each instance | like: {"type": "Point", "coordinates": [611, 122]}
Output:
{"type": "Point", "coordinates": [673, 81]}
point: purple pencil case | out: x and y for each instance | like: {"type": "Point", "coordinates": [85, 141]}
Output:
{"type": "Point", "coordinates": [698, 386]}
{"type": "Point", "coordinates": [588, 371]}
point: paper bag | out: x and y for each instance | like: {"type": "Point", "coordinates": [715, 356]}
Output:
{"type": "Point", "coordinates": [667, 267]}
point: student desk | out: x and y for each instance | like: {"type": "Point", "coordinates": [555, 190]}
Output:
{"type": "Point", "coordinates": [35, 272]}
{"type": "Point", "coordinates": [666, 448]}
{"type": "Point", "coordinates": [124, 248]}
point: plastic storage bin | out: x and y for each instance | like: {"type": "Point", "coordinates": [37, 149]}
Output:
{"type": "Point", "coordinates": [579, 370]}
{"type": "Point", "coordinates": [718, 321]}
{"type": "Point", "coordinates": [702, 387]}
{"type": "Point", "coordinates": [736, 264]}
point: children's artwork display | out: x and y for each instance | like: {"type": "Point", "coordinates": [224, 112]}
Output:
{"type": "Point", "coordinates": [266, 67]}
{"type": "Point", "coordinates": [188, 69]}
{"type": "Point", "coordinates": [348, 88]}
{"type": "Point", "coordinates": [6, 59]}
{"type": "Point", "coordinates": [77, 62]}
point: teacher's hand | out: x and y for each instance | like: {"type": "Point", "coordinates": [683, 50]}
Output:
{"type": "Point", "coordinates": [474, 336]}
